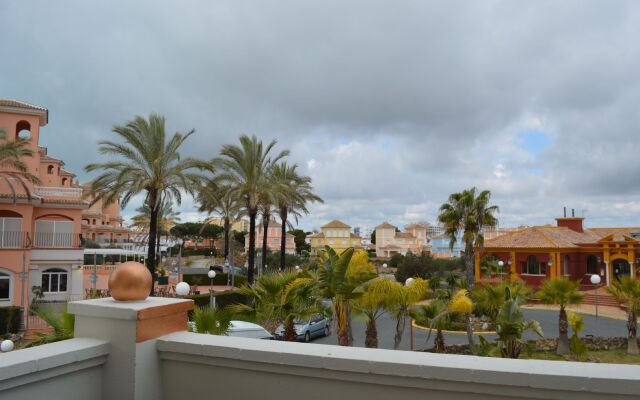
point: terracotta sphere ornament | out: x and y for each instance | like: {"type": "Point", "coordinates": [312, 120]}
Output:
{"type": "Point", "coordinates": [131, 281]}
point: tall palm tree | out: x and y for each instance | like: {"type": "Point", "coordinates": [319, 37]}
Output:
{"type": "Point", "coordinates": [468, 213]}
{"type": "Point", "coordinates": [146, 161]}
{"type": "Point", "coordinates": [627, 291]}
{"type": "Point", "coordinates": [562, 292]}
{"type": "Point", "coordinates": [13, 170]}
{"type": "Point", "coordinates": [218, 200]}
{"type": "Point", "coordinates": [292, 193]}
{"type": "Point", "coordinates": [337, 282]}
{"type": "Point", "coordinates": [266, 210]}
{"type": "Point", "coordinates": [244, 169]}
{"type": "Point", "coordinates": [435, 316]}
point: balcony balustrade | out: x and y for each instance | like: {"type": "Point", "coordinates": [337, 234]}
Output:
{"type": "Point", "coordinates": [57, 240]}
{"type": "Point", "coordinates": [13, 239]}
{"type": "Point", "coordinates": [54, 191]}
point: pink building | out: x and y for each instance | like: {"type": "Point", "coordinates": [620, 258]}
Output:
{"type": "Point", "coordinates": [390, 241]}
{"type": "Point", "coordinates": [103, 224]}
{"type": "Point", "coordinates": [40, 238]}
{"type": "Point", "coordinates": [274, 234]}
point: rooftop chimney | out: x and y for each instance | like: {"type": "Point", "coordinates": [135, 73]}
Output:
{"type": "Point", "coordinates": [574, 223]}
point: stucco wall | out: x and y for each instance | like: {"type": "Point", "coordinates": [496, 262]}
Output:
{"type": "Point", "coordinates": [195, 366]}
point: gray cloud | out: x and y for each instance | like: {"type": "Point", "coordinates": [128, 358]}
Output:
{"type": "Point", "coordinates": [397, 104]}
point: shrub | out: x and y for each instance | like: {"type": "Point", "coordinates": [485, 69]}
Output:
{"type": "Point", "coordinates": [425, 266]}
{"type": "Point", "coordinates": [9, 319]}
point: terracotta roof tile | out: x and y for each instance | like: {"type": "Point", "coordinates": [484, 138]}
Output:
{"type": "Point", "coordinates": [385, 225]}
{"type": "Point", "coordinates": [336, 224]}
{"type": "Point", "coordinates": [42, 112]}
{"type": "Point", "coordinates": [553, 237]}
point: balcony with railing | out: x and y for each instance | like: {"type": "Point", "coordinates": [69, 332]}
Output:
{"type": "Point", "coordinates": [55, 191]}
{"type": "Point", "coordinates": [13, 239]}
{"type": "Point", "coordinates": [53, 240]}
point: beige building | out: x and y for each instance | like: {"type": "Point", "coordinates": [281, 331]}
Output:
{"type": "Point", "coordinates": [389, 241]}
{"type": "Point", "coordinates": [240, 225]}
{"type": "Point", "coordinates": [336, 234]}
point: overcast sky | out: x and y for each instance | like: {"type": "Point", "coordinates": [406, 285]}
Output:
{"type": "Point", "coordinates": [389, 106]}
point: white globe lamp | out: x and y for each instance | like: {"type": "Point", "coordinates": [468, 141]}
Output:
{"type": "Point", "coordinates": [500, 263]}
{"type": "Point", "coordinates": [384, 265]}
{"type": "Point", "coordinates": [211, 274]}
{"type": "Point", "coordinates": [595, 279]}
{"type": "Point", "coordinates": [409, 282]}
{"type": "Point", "coordinates": [6, 345]}
{"type": "Point", "coordinates": [182, 289]}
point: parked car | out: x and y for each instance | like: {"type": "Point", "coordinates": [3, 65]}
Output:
{"type": "Point", "coordinates": [242, 329]}
{"type": "Point", "coordinates": [316, 326]}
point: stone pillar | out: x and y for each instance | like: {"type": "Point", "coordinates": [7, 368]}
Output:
{"type": "Point", "coordinates": [606, 272]}
{"type": "Point", "coordinates": [632, 271]}
{"type": "Point", "coordinates": [132, 370]}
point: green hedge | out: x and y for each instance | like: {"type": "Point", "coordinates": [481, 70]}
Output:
{"type": "Point", "coordinates": [223, 299]}
{"type": "Point", "coordinates": [9, 320]}
{"type": "Point", "coordinates": [220, 279]}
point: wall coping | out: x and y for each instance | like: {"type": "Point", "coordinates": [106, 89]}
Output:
{"type": "Point", "coordinates": [34, 364]}
{"type": "Point", "coordinates": [152, 307]}
{"type": "Point", "coordinates": [455, 371]}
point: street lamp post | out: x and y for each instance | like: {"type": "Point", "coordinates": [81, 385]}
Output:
{"type": "Point", "coordinates": [226, 267]}
{"type": "Point", "coordinates": [500, 265]}
{"type": "Point", "coordinates": [595, 279]}
{"type": "Point", "coordinates": [212, 299]}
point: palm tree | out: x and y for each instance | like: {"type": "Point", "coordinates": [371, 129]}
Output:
{"type": "Point", "coordinates": [292, 193]}
{"type": "Point", "coordinates": [489, 299]}
{"type": "Point", "coordinates": [146, 163]}
{"type": "Point", "coordinates": [434, 316]}
{"type": "Point", "coordinates": [404, 297]}
{"type": "Point", "coordinates": [377, 297]}
{"type": "Point", "coordinates": [627, 291]}
{"type": "Point", "coordinates": [62, 323]}
{"type": "Point", "coordinates": [266, 210]}
{"type": "Point", "coordinates": [337, 282]}
{"type": "Point", "coordinates": [511, 325]}
{"type": "Point", "coordinates": [215, 321]}
{"type": "Point", "coordinates": [213, 199]}
{"type": "Point", "coordinates": [470, 214]}
{"type": "Point", "coordinates": [279, 298]}
{"type": "Point", "coordinates": [13, 170]}
{"type": "Point", "coordinates": [562, 292]}
{"type": "Point", "coordinates": [245, 171]}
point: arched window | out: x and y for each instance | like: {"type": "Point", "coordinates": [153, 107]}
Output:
{"type": "Point", "coordinates": [64, 181]}
{"type": "Point", "coordinates": [54, 280]}
{"type": "Point", "coordinates": [592, 265]}
{"type": "Point", "coordinates": [50, 169]}
{"type": "Point", "coordinates": [23, 130]}
{"type": "Point", "coordinates": [534, 267]}
{"type": "Point", "coordinates": [5, 287]}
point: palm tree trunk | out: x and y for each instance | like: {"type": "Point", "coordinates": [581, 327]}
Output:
{"type": "Point", "coordinates": [265, 229]}
{"type": "Point", "coordinates": [153, 232]}
{"type": "Point", "coordinates": [252, 245]}
{"type": "Point", "coordinates": [469, 280]}
{"type": "Point", "coordinates": [371, 334]}
{"type": "Point", "coordinates": [283, 236]}
{"type": "Point", "coordinates": [439, 342]}
{"type": "Point", "coordinates": [563, 333]}
{"type": "Point", "coordinates": [343, 316]}
{"type": "Point", "coordinates": [632, 327]}
{"type": "Point", "coordinates": [400, 323]}
{"type": "Point", "coordinates": [227, 225]}
{"type": "Point", "coordinates": [290, 334]}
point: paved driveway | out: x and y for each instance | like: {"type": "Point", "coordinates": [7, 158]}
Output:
{"type": "Point", "coordinates": [548, 321]}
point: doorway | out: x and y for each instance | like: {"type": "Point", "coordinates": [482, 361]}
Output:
{"type": "Point", "coordinates": [621, 268]}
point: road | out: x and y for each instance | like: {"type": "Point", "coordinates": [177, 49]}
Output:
{"type": "Point", "coordinates": [548, 321]}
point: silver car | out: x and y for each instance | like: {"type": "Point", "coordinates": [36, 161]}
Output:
{"type": "Point", "coordinates": [316, 326]}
